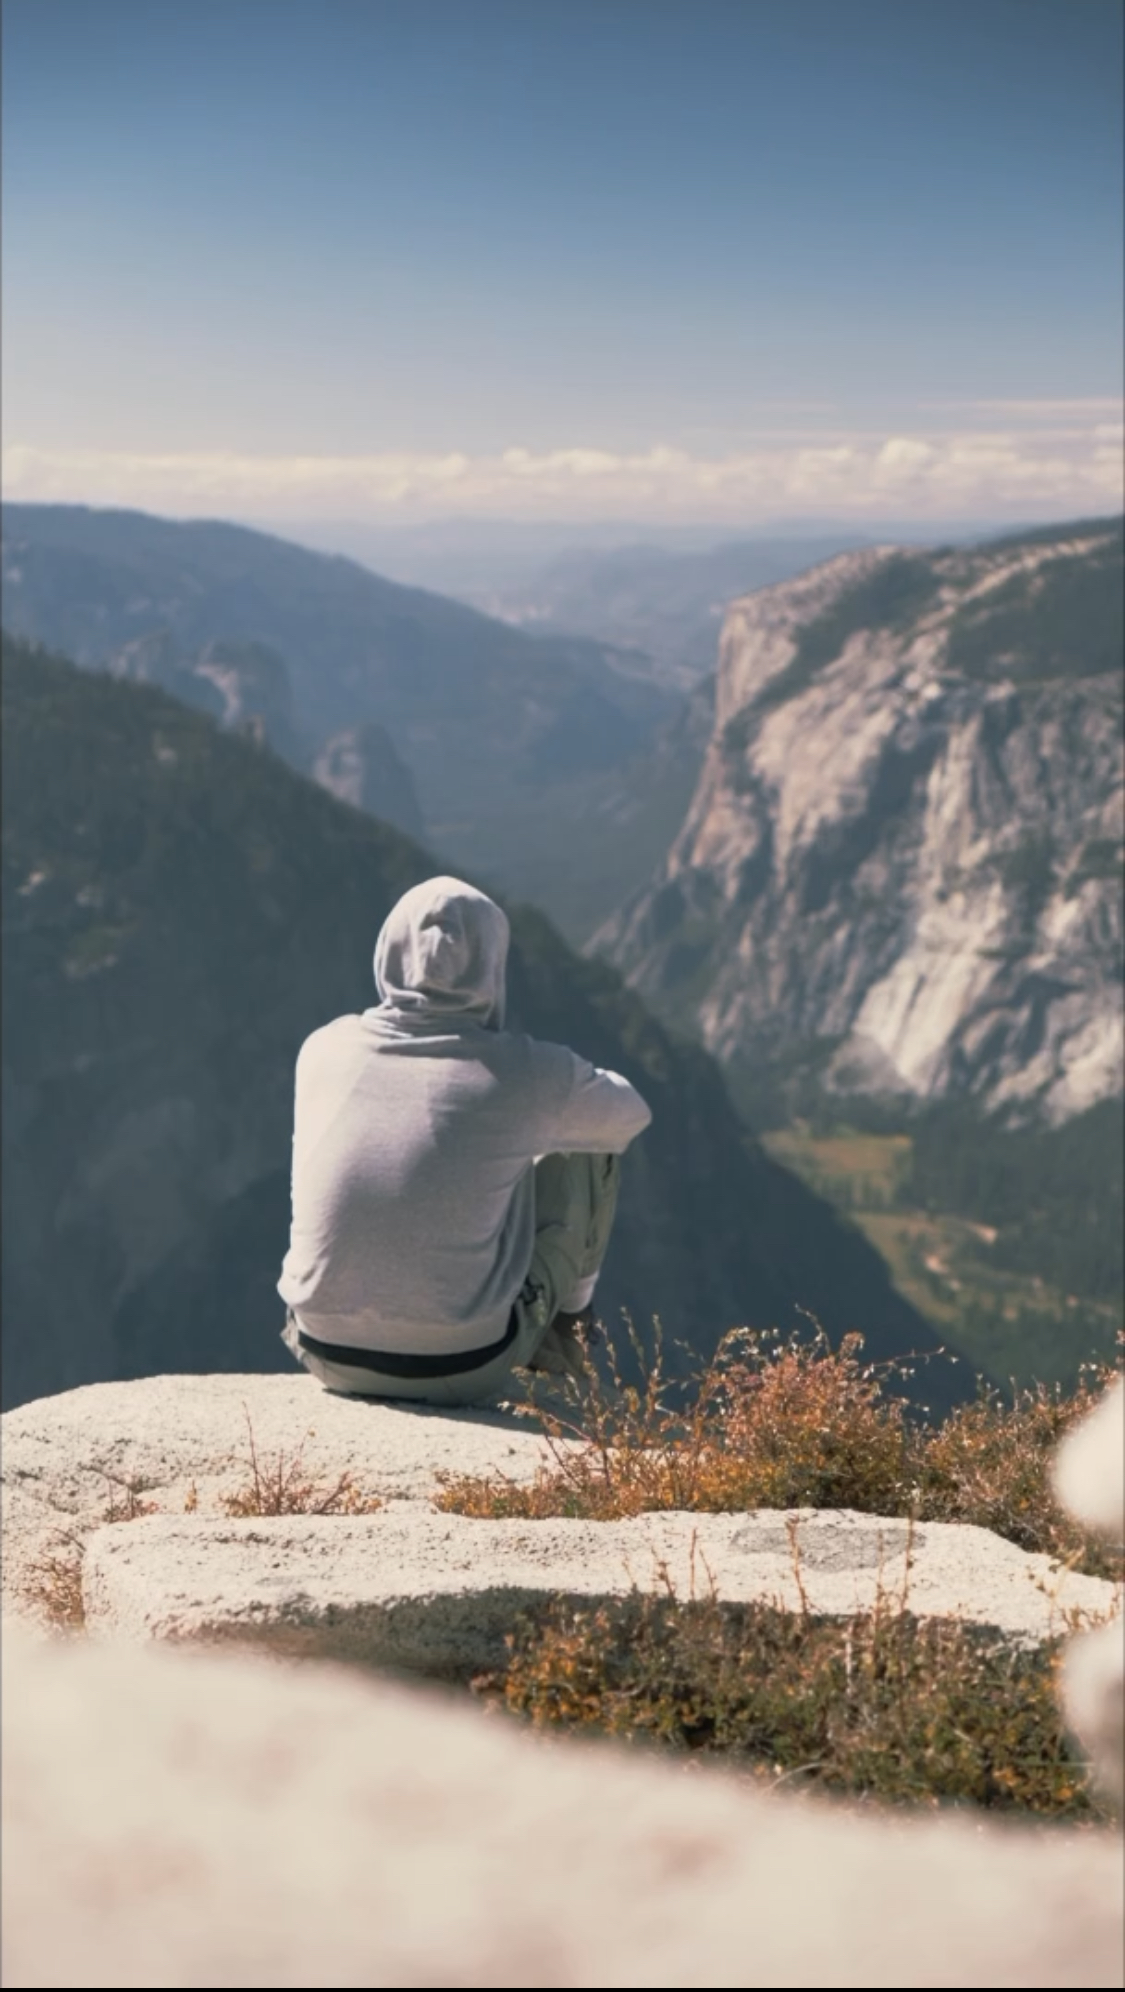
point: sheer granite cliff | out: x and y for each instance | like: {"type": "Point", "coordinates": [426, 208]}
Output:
{"type": "Point", "coordinates": [901, 870]}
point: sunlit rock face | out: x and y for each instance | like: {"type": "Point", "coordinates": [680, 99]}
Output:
{"type": "Point", "coordinates": [901, 867]}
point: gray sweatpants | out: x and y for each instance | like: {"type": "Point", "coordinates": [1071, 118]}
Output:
{"type": "Point", "coordinates": [575, 1203]}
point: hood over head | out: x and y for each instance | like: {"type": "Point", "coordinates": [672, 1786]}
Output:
{"type": "Point", "coordinates": [441, 956]}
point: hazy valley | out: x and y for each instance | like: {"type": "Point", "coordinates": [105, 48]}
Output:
{"type": "Point", "coordinates": [874, 868]}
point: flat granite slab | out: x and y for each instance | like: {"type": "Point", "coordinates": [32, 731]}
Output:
{"type": "Point", "coordinates": [173, 1431]}
{"type": "Point", "coordinates": [409, 1588]}
{"type": "Point", "coordinates": [68, 1462]}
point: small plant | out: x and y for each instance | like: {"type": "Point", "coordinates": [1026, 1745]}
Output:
{"type": "Point", "coordinates": [281, 1486]}
{"type": "Point", "coordinates": [882, 1705]}
{"type": "Point", "coordinates": [52, 1584]}
{"type": "Point", "coordinates": [127, 1504]}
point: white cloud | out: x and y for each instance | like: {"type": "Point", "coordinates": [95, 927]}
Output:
{"type": "Point", "coordinates": [975, 472]}
{"type": "Point", "coordinates": [904, 453]}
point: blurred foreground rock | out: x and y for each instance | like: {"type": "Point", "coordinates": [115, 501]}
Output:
{"type": "Point", "coordinates": [182, 1819]}
{"type": "Point", "coordinates": [1090, 1478]}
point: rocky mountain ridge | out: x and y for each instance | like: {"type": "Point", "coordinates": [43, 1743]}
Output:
{"type": "Point", "coordinates": [511, 747]}
{"type": "Point", "coordinates": [900, 873]}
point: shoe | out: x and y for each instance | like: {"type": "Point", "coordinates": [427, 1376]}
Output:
{"type": "Point", "coordinates": [562, 1352]}
{"type": "Point", "coordinates": [581, 1324]}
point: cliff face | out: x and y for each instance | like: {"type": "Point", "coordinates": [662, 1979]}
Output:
{"type": "Point", "coordinates": [360, 766]}
{"type": "Point", "coordinates": [901, 870]}
{"type": "Point", "coordinates": [245, 686]}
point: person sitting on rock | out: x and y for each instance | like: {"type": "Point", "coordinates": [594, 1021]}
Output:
{"type": "Point", "coordinates": [454, 1183]}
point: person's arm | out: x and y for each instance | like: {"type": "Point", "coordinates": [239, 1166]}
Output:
{"type": "Point", "coordinates": [592, 1111]}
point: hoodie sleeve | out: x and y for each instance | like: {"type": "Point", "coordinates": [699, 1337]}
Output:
{"type": "Point", "coordinates": [590, 1111]}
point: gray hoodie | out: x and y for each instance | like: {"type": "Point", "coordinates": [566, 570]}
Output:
{"type": "Point", "coordinates": [415, 1132]}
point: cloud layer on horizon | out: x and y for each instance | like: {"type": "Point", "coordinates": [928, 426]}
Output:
{"type": "Point", "coordinates": [1068, 461]}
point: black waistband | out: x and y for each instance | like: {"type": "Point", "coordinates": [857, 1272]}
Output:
{"type": "Point", "coordinates": [386, 1362]}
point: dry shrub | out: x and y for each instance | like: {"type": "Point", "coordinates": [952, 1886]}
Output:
{"type": "Point", "coordinates": [778, 1422]}
{"type": "Point", "coordinates": [882, 1705]}
{"type": "Point", "coordinates": [991, 1462]}
{"type": "Point", "coordinates": [770, 1424]}
{"type": "Point", "coordinates": [52, 1584]}
{"type": "Point", "coordinates": [801, 1426]}
{"type": "Point", "coordinates": [127, 1503]}
{"type": "Point", "coordinates": [281, 1486]}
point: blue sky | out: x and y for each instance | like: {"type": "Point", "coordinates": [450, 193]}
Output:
{"type": "Point", "coordinates": [680, 257]}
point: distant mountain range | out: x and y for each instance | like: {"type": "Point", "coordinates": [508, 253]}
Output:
{"type": "Point", "coordinates": [557, 766]}
{"type": "Point", "coordinates": [179, 910]}
{"type": "Point", "coordinates": [668, 604]}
